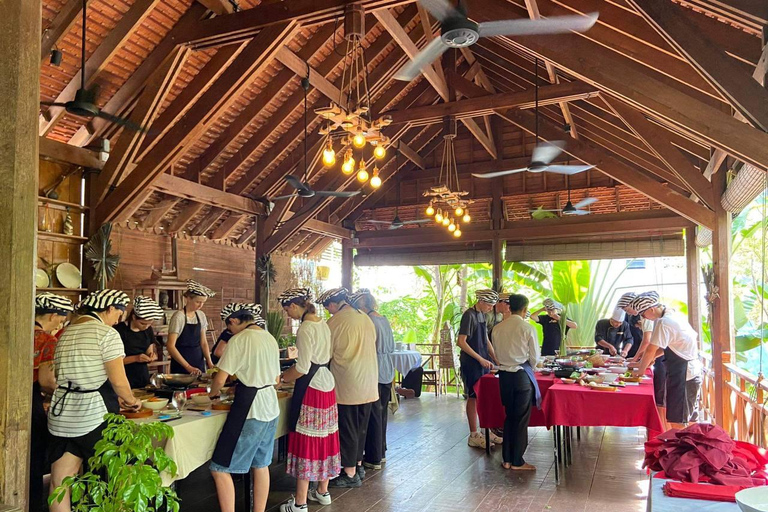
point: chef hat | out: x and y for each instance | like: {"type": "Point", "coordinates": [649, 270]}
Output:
{"type": "Point", "coordinates": [618, 315]}
{"type": "Point", "coordinates": [625, 301]}
{"type": "Point", "coordinates": [240, 309]}
{"type": "Point", "coordinates": [645, 301]}
{"type": "Point", "coordinates": [102, 299]}
{"type": "Point", "coordinates": [552, 305]}
{"type": "Point", "coordinates": [47, 302]}
{"type": "Point", "coordinates": [147, 309]}
{"type": "Point", "coordinates": [332, 295]}
{"type": "Point", "coordinates": [293, 295]}
{"type": "Point", "coordinates": [488, 296]}
{"type": "Point", "coordinates": [196, 288]}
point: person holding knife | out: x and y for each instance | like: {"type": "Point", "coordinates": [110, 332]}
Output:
{"type": "Point", "coordinates": [187, 345]}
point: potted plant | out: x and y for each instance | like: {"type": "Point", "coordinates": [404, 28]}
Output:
{"type": "Point", "coordinates": [124, 473]}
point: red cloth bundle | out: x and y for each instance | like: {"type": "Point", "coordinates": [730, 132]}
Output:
{"type": "Point", "coordinates": [702, 491]}
{"type": "Point", "coordinates": [706, 453]}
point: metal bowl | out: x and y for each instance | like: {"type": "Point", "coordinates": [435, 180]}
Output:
{"type": "Point", "coordinates": [176, 379]}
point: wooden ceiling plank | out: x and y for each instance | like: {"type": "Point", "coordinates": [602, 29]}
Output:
{"type": "Point", "coordinates": [185, 216]}
{"type": "Point", "coordinates": [305, 245]}
{"type": "Point", "coordinates": [60, 26]}
{"type": "Point", "coordinates": [327, 229]}
{"type": "Point", "coordinates": [625, 79]}
{"type": "Point", "coordinates": [159, 211]}
{"type": "Point", "coordinates": [318, 250]}
{"type": "Point", "coordinates": [250, 62]}
{"type": "Point", "coordinates": [62, 152]}
{"type": "Point", "coordinates": [207, 222]}
{"type": "Point", "coordinates": [179, 187]}
{"type": "Point", "coordinates": [225, 228]}
{"type": "Point", "coordinates": [750, 15]}
{"type": "Point", "coordinates": [658, 142]}
{"type": "Point", "coordinates": [125, 97]}
{"type": "Point", "coordinates": [219, 7]}
{"type": "Point", "coordinates": [247, 234]}
{"type": "Point", "coordinates": [150, 100]}
{"type": "Point", "coordinates": [98, 60]}
{"type": "Point", "coordinates": [744, 94]}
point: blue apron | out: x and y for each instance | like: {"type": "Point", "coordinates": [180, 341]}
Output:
{"type": "Point", "coordinates": [188, 345]}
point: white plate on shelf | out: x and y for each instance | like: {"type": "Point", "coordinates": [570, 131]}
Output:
{"type": "Point", "coordinates": [68, 275]}
{"type": "Point", "coordinates": [41, 279]}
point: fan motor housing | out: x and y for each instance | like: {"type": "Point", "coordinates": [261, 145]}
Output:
{"type": "Point", "coordinates": [537, 167]}
{"type": "Point", "coordinates": [459, 32]}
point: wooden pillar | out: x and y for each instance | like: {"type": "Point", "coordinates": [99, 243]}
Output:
{"type": "Point", "coordinates": [497, 223]}
{"type": "Point", "coordinates": [722, 325]}
{"type": "Point", "coordinates": [260, 237]}
{"type": "Point", "coordinates": [346, 264]}
{"type": "Point", "coordinates": [19, 81]}
{"type": "Point", "coordinates": [498, 262]}
{"type": "Point", "coordinates": [693, 274]}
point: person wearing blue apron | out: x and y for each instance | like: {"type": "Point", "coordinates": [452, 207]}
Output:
{"type": "Point", "coordinates": [517, 349]}
{"type": "Point", "coordinates": [476, 357]}
{"type": "Point", "coordinates": [247, 440]}
{"type": "Point", "coordinates": [187, 345]}
{"type": "Point", "coordinates": [91, 382]}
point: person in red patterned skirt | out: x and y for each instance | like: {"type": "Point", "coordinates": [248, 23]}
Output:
{"type": "Point", "coordinates": [313, 441]}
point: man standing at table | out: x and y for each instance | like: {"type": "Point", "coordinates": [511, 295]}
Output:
{"type": "Point", "coordinates": [517, 350]}
{"type": "Point", "coordinates": [476, 358]}
{"type": "Point", "coordinates": [612, 335]}
{"type": "Point", "coordinates": [355, 367]}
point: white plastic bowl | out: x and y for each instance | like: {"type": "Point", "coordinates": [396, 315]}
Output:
{"type": "Point", "coordinates": [754, 499]}
{"type": "Point", "coordinates": [201, 399]}
{"type": "Point", "coordinates": [610, 378]}
{"type": "Point", "coordinates": [156, 404]}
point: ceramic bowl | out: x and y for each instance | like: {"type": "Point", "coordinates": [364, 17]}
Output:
{"type": "Point", "coordinates": [201, 399]}
{"type": "Point", "coordinates": [610, 378]}
{"type": "Point", "coordinates": [156, 404]}
{"type": "Point", "coordinates": [754, 499]}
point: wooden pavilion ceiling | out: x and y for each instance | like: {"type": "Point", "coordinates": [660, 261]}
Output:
{"type": "Point", "coordinates": [226, 120]}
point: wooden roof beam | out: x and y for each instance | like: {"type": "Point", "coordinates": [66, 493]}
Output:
{"type": "Point", "coordinates": [751, 15]}
{"type": "Point", "coordinates": [185, 189]}
{"type": "Point", "coordinates": [227, 227]}
{"type": "Point", "coordinates": [184, 217]}
{"type": "Point", "coordinates": [59, 27]}
{"type": "Point", "coordinates": [327, 229]}
{"type": "Point", "coordinates": [219, 7]}
{"type": "Point", "coordinates": [61, 152]}
{"type": "Point", "coordinates": [159, 211]}
{"type": "Point", "coordinates": [207, 222]}
{"type": "Point", "coordinates": [98, 60]}
{"type": "Point", "coordinates": [247, 234]}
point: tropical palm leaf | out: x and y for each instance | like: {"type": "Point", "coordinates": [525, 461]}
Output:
{"type": "Point", "coordinates": [98, 252]}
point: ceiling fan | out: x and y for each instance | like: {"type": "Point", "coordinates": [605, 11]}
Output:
{"type": "Point", "coordinates": [396, 223]}
{"type": "Point", "coordinates": [84, 103]}
{"type": "Point", "coordinates": [458, 31]}
{"type": "Point", "coordinates": [570, 208]}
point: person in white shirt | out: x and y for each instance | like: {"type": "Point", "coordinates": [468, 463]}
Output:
{"type": "Point", "coordinates": [313, 438]}
{"type": "Point", "coordinates": [677, 340]}
{"type": "Point", "coordinates": [517, 351]}
{"type": "Point", "coordinates": [248, 438]}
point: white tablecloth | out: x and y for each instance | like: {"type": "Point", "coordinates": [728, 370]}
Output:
{"type": "Point", "coordinates": [406, 360]}
{"type": "Point", "coordinates": [658, 502]}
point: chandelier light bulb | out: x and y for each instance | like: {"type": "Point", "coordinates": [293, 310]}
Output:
{"type": "Point", "coordinates": [362, 174]}
{"type": "Point", "coordinates": [466, 218]}
{"type": "Point", "coordinates": [348, 167]}
{"type": "Point", "coordinates": [446, 221]}
{"type": "Point", "coordinates": [375, 179]}
{"type": "Point", "coordinates": [451, 226]}
{"type": "Point", "coordinates": [459, 211]}
{"type": "Point", "coordinates": [439, 216]}
{"type": "Point", "coordinates": [430, 211]}
{"type": "Point", "coordinates": [358, 140]}
{"type": "Point", "coordinates": [329, 155]}
{"type": "Point", "coordinates": [457, 233]}
{"type": "Point", "coordinates": [379, 151]}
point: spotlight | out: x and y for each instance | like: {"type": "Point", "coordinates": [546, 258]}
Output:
{"type": "Point", "coordinates": [56, 57]}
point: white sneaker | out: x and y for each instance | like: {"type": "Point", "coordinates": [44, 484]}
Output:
{"type": "Point", "coordinates": [476, 440]}
{"type": "Point", "coordinates": [292, 507]}
{"type": "Point", "coordinates": [496, 439]}
{"type": "Point", "coordinates": [323, 499]}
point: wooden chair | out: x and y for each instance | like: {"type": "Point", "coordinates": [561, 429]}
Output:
{"type": "Point", "coordinates": [431, 372]}
{"type": "Point", "coordinates": [447, 360]}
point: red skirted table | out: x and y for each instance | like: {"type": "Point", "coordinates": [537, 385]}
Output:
{"type": "Point", "coordinates": [489, 408]}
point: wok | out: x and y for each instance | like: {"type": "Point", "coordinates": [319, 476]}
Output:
{"type": "Point", "coordinates": [176, 379]}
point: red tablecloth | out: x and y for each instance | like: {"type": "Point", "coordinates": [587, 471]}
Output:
{"type": "Point", "coordinates": [572, 405]}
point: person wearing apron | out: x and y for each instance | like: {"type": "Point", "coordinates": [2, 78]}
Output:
{"type": "Point", "coordinates": [221, 342]}
{"type": "Point", "coordinates": [187, 345]}
{"type": "Point", "coordinates": [550, 326]}
{"type": "Point", "coordinates": [91, 382]}
{"type": "Point", "coordinates": [50, 311]}
{"type": "Point", "coordinates": [247, 439]}
{"type": "Point", "coordinates": [313, 420]}
{"type": "Point", "coordinates": [517, 349]}
{"type": "Point", "coordinates": [476, 357]}
{"type": "Point", "coordinates": [139, 340]}
{"type": "Point", "coordinates": [677, 340]}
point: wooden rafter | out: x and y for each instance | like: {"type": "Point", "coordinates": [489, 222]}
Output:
{"type": "Point", "coordinates": [226, 227]}
{"type": "Point", "coordinates": [159, 211]}
{"type": "Point", "coordinates": [325, 228]}
{"type": "Point", "coordinates": [219, 6]}
{"type": "Point", "coordinates": [179, 187]}
{"type": "Point", "coordinates": [60, 25]}
{"type": "Point", "coordinates": [208, 221]}
{"type": "Point", "coordinates": [184, 217]}
{"type": "Point", "coordinates": [61, 152]}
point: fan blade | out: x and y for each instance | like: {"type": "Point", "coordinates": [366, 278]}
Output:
{"type": "Point", "coordinates": [523, 27]}
{"type": "Point", "coordinates": [585, 202]}
{"type": "Point", "coordinates": [499, 173]}
{"type": "Point", "coordinates": [420, 221]}
{"type": "Point", "coordinates": [53, 104]}
{"type": "Point", "coordinates": [579, 212]}
{"type": "Point", "coordinates": [568, 169]}
{"type": "Point", "coordinates": [377, 221]}
{"type": "Point", "coordinates": [395, 226]}
{"type": "Point", "coordinates": [546, 152]}
{"type": "Point", "coordinates": [121, 121]}
{"type": "Point", "coordinates": [328, 193]}
{"type": "Point", "coordinates": [440, 9]}
{"type": "Point", "coordinates": [426, 57]}
{"type": "Point", "coordinates": [278, 198]}
{"type": "Point", "coordinates": [297, 184]}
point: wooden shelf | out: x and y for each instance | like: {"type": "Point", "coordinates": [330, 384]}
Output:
{"type": "Point", "coordinates": [64, 204]}
{"type": "Point", "coordinates": [63, 290]}
{"type": "Point", "coordinates": [61, 236]}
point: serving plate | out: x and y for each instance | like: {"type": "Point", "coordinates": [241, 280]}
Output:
{"type": "Point", "coordinates": [41, 279]}
{"type": "Point", "coordinates": [68, 275]}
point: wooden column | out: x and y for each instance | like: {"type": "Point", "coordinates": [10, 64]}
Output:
{"type": "Point", "coordinates": [346, 264]}
{"type": "Point", "coordinates": [498, 262]}
{"type": "Point", "coordinates": [259, 244]}
{"type": "Point", "coordinates": [497, 223]}
{"type": "Point", "coordinates": [19, 81]}
{"type": "Point", "coordinates": [693, 274]}
{"type": "Point", "coordinates": [722, 325]}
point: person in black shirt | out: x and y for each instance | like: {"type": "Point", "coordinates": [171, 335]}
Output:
{"type": "Point", "coordinates": [612, 335]}
{"type": "Point", "coordinates": [139, 340]}
{"type": "Point", "coordinates": [550, 325]}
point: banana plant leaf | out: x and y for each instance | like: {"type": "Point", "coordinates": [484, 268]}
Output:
{"type": "Point", "coordinates": [570, 281]}
{"type": "Point", "coordinates": [98, 253]}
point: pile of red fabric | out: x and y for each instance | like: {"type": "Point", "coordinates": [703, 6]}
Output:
{"type": "Point", "coordinates": [706, 453]}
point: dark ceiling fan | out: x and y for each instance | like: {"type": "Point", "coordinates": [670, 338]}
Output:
{"type": "Point", "coordinates": [396, 223]}
{"type": "Point", "coordinates": [84, 103]}
{"type": "Point", "coordinates": [570, 208]}
{"type": "Point", "coordinates": [458, 31]}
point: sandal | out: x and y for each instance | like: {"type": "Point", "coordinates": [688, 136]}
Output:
{"type": "Point", "coordinates": [524, 467]}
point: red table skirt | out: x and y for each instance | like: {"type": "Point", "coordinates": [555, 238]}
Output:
{"type": "Point", "coordinates": [574, 406]}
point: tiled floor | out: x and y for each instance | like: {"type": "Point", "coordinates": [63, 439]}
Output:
{"type": "Point", "coordinates": [430, 467]}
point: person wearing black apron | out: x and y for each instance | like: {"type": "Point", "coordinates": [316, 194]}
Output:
{"type": "Point", "coordinates": [674, 336]}
{"type": "Point", "coordinates": [50, 311]}
{"type": "Point", "coordinates": [91, 382]}
{"type": "Point", "coordinates": [187, 345]}
{"type": "Point", "coordinates": [247, 439]}
{"type": "Point", "coordinates": [477, 357]}
{"type": "Point", "coordinates": [612, 335]}
{"type": "Point", "coordinates": [313, 438]}
{"type": "Point", "coordinates": [550, 326]}
{"type": "Point", "coordinates": [139, 340]}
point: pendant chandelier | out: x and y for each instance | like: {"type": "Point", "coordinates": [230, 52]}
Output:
{"type": "Point", "coordinates": [448, 203]}
{"type": "Point", "coordinates": [349, 120]}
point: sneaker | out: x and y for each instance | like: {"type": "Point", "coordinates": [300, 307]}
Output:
{"type": "Point", "coordinates": [360, 471]}
{"type": "Point", "coordinates": [383, 460]}
{"type": "Point", "coordinates": [496, 439]}
{"type": "Point", "coordinates": [371, 465]}
{"type": "Point", "coordinates": [291, 506]}
{"type": "Point", "coordinates": [476, 440]}
{"type": "Point", "coordinates": [321, 498]}
{"type": "Point", "coordinates": [345, 481]}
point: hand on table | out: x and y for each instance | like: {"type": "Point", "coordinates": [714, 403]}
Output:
{"type": "Point", "coordinates": [612, 350]}
{"type": "Point", "coordinates": [194, 371]}
{"type": "Point", "coordinates": [485, 364]}
{"type": "Point", "coordinates": [135, 405]}
{"type": "Point", "coordinates": [637, 373]}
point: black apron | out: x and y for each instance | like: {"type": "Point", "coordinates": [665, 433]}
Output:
{"type": "Point", "coordinates": [299, 390]}
{"type": "Point", "coordinates": [677, 373]}
{"type": "Point", "coordinates": [188, 345]}
{"type": "Point", "coordinates": [108, 396]}
{"type": "Point", "coordinates": [225, 446]}
{"type": "Point", "coordinates": [471, 369]}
